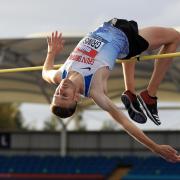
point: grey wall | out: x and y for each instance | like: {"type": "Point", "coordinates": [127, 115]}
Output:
{"type": "Point", "coordinates": [84, 143]}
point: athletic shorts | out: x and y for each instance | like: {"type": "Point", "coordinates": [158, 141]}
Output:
{"type": "Point", "coordinates": [137, 44]}
{"type": "Point", "coordinates": [122, 41]}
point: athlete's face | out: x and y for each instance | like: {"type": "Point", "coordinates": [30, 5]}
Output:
{"type": "Point", "coordinates": [65, 94]}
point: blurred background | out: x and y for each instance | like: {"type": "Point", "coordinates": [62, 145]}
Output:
{"type": "Point", "coordinates": [34, 144]}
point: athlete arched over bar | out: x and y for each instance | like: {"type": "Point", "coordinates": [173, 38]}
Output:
{"type": "Point", "coordinates": [87, 69]}
{"type": "Point", "coordinates": [167, 39]}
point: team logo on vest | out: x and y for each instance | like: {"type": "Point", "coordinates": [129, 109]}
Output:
{"type": "Point", "coordinates": [82, 59]}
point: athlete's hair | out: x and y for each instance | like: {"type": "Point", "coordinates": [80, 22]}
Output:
{"type": "Point", "coordinates": [63, 112]}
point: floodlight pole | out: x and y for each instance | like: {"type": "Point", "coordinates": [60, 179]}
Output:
{"type": "Point", "coordinates": [63, 140]}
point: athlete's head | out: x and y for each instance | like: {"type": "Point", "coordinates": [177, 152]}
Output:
{"type": "Point", "coordinates": [65, 99]}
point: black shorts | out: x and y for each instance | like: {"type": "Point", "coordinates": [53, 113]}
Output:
{"type": "Point", "coordinates": [137, 44]}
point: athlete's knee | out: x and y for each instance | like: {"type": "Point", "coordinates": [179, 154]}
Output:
{"type": "Point", "coordinates": [175, 34]}
{"type": "Point", "coordinates": [178, 36]}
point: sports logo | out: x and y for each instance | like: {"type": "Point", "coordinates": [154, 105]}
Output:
{"type": "Point", "coordinates": [89, 68]}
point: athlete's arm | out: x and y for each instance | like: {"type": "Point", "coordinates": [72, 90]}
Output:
{"type": "Point", "coordinates": [55, 46]}
{"type": "Point", "coordinates": [165, 151]}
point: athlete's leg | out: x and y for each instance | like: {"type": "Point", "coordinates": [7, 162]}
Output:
{"type": "Point", "coordinates": [128, 97]}
{"type": "Point", "coordinates": [167, 39]}
{"type": "Point", "coordinates": [128, 73]}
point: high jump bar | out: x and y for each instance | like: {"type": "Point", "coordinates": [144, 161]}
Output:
{"type": "Point", "coordinates": [136, 58]}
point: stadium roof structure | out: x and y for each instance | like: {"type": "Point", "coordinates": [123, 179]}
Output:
{"type": "Point", "coordinates": [29, 86]}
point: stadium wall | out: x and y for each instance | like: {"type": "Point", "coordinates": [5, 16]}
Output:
{"type": "Point", "coordinates": [82, 143]}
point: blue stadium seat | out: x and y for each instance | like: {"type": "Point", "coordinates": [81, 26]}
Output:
{"type": "Point", "coordinates": [153, 168]}
{"type": "Point", "coordinates": [58, 165]}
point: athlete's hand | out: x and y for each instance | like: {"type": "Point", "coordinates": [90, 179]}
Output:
{"type": "Point", "coordinates": [168, 153]}
{"type": "Point", "coordinates": [55, 43]}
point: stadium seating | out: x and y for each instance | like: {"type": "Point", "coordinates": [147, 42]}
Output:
{"type": "Point", "coordinates": [153, 168]}
{"type": "Point", "coordinates": [80, 167]}
{"type": "Point", "coordinates": [86, 167]}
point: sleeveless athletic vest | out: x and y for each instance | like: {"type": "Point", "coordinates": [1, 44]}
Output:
{"type": "Point", "coordinates": [83, 61]}
{"type": "Point", "coordinates": [98, 49]}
